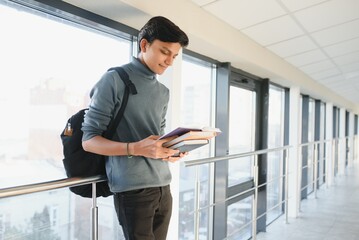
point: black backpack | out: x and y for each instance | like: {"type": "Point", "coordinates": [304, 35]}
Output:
{"type": "Point", "coordinates": [79, 163]}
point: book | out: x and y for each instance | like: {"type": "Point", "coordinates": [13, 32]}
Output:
{"type": "Point", "coordinates": [182, 130]}
{"type": "Point", "coordinates": [190, 134]}
{"type": "Point", "coordinates": [189, 145]}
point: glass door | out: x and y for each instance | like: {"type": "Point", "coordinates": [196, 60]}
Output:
{"type": "Point", "coordinates": [245, 134]}
{"type": "Point", "coordinates": [242, 109]}
{"type": "Point", "coordinates": [242, 112]}
{"type": "Point", "coordinates": [242, 119]}
{"type": "Point", "coordinates": [336, 120]}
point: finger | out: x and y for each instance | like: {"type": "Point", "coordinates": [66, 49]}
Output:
{"type": "Point", "coordinates": [173, 152]}
{"type": "Point", "coordinates": [154, 137]}
{"type": "Point", "coordinates": [168, 152]}
{"type": "Point", "coordinates": [183, 154]}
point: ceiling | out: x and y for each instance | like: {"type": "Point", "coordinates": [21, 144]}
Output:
{"type": "Point", "coordinates": [319, 37]}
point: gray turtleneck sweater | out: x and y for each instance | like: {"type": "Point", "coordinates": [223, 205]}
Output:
{"type": "Point", "coordinates": [143, 116]}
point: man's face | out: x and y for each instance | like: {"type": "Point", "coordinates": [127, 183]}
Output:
{"type": "Point", "coordinates": [158, 55]}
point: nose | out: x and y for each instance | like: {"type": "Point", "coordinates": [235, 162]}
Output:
{"type": "Point", "coordinates": [169, 60]}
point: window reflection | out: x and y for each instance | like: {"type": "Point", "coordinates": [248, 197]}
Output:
{"type": "Point", "coordinates": [311, 132]}
{"type": "Point", "coordinates": [275, 159]}
{"type": "Point", "coordinates": [322, 146]}
{"type": "Point", "coordinates": [241, 133]}
{"type": "Point", "coordinates": [196, 110]}
{"type": "Point", "coordinates": [239, 219]}
{"type": "Point", "coordinates": [48, 69]}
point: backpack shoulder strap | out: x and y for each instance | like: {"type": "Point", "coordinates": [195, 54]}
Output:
{"type": "Point", "coordinates": [130, 87]}
{"type": "Point", "coordinates": [125, 78]}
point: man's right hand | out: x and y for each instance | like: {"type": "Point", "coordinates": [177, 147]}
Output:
{"type": "Point", "coordinates": [151, 147]}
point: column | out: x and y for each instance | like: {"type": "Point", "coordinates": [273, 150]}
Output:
{"type": "Point", "coordinates": [294, 161]}
{"type": "Point", "coordinates": [329, 144]}
{"type": "Point", "coordinates": [351, 139]}
{"type": "Point", "coordinates": [342, 142]}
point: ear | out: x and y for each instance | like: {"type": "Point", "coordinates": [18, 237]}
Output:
{"type": "Point", "coordinates": [143, 45]}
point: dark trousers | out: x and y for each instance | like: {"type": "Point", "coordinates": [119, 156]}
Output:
{"type": "Point", "coordinates": [144, 214]}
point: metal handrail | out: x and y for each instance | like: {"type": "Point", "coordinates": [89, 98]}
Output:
{"type": "Point", "coordinates": [61, 183]}
{"type": "Point", "coordinates": [71, 182]}
{"type": "Point", "coordinates": [190, 163]}
{"type": "Point", "coordinates": [314, 164]}
{"type": "Point", "coordinates": [314, 144]}
{"type": "Point", "coordinates": [49, 185]}
{"type": "Point", "coordinates": [255, 154]}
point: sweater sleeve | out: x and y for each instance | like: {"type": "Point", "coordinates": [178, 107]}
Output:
{"type": "Point", "coordinates": [104, 100]}
{"type": "Point", "coordinates": [163, 123]}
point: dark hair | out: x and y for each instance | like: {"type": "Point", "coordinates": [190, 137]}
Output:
{"type": "Point", "coordinates": [164, 30]}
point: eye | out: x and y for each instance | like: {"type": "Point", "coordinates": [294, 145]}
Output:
{"type": "Point", "coordinates": [165, 52]}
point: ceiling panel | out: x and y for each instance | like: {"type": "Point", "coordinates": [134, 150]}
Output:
{"type": "Point", "coordinates": [328, 14]}
{"type": "Point", "coordinates": [347, 59]}
{"type": "Point", "coordinates": [337, 33]}
{"type": "Point", "coordinates": [293, 46]}
{"type": "Point", "coordinates": [331, 79]}
{"type": "Point", "coordinates": [353, 67]}
{"type": "Point", "coordinates": [317, 67]}
{"type": "Point", "coordinates": [341, 89]}
{"type": "Point", "coordinates": [271, 32]}
{"type": "Point", "coordinates": [343, 48]}
{"type": "Point", "coordinates": [352, 77]}
{"type": "Point", "coordinates": [319, 37]}
{"type": "Point", "coordinates": [244, 13]}
{"type": "Point", "coordinates": [295, 5]}
{"type": "Point", "coordinates": [327, 73]}
{"type": "Point", "coordinates": [338, 85]}
{"type": "Point", "coordinates": [351, 91]}
{"type": "Point", "coordinates": [306, 58]}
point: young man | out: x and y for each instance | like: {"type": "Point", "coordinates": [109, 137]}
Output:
{"type": "Point", "coordinates": [137, 166]}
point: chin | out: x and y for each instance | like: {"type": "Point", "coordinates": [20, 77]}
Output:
{"type": "Point", "coordinates": [160, 72]}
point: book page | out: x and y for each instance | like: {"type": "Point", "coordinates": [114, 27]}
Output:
{"type": "Point", "coordinates": [182, 130]}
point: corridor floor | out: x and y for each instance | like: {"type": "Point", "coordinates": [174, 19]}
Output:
{"type": "Point", "coordinates": [333, 215]}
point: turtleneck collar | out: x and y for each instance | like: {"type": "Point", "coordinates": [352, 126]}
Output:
{"type": "Point", "coordinates": [143, 69]}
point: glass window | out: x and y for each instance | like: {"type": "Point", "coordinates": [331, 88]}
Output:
{"type": "Point", "coordinates": [2, 226]}
{"type": "Point", "coordinates": [48, 67]}
{"type": "Point", "coordinates": [196, 110]}
{"type": "Point", "coordinates": [311, 132]}
{"type": "Point", "coordinates": [356, 149]}
{"type": "Point", "coordinates": [46, 77]}
{"type": "Point", "coordinates": [239, 218]}
{"type": "Point", "coordinates": [275, 159]}
{"type": "Point", "coordinates": [322, 145]}
{"type": "Point", "coordinates": [242, 120]}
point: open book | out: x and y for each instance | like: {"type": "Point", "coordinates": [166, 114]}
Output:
{"type": "Point", "coordinates": [187, 134]}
